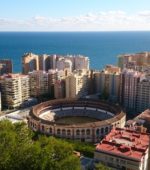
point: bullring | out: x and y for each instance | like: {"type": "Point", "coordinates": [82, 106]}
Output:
{"type": "Point", "coordinates": [83, 120]}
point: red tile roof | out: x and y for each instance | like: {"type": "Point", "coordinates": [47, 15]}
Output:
{"type": "Point", "coordinates": [125, 143]}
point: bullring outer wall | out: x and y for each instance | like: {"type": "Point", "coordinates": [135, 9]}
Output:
{"type": "Point", "coordinates": [89, 132]}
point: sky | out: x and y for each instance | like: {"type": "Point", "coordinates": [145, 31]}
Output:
{"type": "Point", "coordinates": [74, 15]}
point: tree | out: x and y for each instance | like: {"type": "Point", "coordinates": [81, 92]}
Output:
{"type": "Point", "coordinates": [18, 150]}
{"type": "Point", "coordinates": [100, 166]}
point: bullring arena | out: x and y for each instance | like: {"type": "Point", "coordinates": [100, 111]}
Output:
{"type": "Point", "coordinates": [83, 120]}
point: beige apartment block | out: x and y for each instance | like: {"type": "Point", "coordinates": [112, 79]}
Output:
{"type": "Point", "coordinates": [5, 66]}
{"type": "Point", "coordinates": [77, 84]}
{"type": "Point", "coordinates": [15, 89]}
{"type": "Point", "coordinates": [30, 62]}
{"type": "Point", "coordinates": [81, 62]}
{"type": "Point", "coordinates": [45, 62]}
{"type": "Point", "coordinates": [59, 89]}
{"type": "Point", "coordinates": [134, 61]}
{"type": "Point", "coordinates": [38, 83]}
{"type": "Point", "coordinates": [107, 82]}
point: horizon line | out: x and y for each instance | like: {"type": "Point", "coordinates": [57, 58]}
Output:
{"type": "Point", "coordinates": [79, 31]}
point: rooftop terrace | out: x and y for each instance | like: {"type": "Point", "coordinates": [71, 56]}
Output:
{"type": "Point", "coordinates": [125, 143]}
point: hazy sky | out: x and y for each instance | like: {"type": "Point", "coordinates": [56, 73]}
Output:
{"type": "Point", "coordinates": [74, 15]}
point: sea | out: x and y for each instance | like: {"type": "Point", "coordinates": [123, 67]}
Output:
{"type": "Point", "coordinates": [101, 47]}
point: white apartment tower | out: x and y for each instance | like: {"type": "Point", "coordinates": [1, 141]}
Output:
{"type": "Point", "coordinates": [129, 88]}
{"type": "Point", "coordinates": [143, 95]}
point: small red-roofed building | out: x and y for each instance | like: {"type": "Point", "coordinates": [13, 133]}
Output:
{"type": "Point", "coordinates": [124, 149]}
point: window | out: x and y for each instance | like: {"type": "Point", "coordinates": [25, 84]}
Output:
{"type": "Point", "coordinates": [68, 132]}
{"type": "Point", "coordinates": [88, 131]}
{"type": "Point", "coordinates": [58, 131]}
{"type": "Point", "coordinates": [83, 132]}
{"type": "Point", "coordinates": [42, 127]}
{"type": "Point", "coordinates": [78, 132]}
{"type": "Point", "coordinates": [63, 132]}
{"type": "Point", "coordinates": [106, 130]}
{"type": "Point", "coordinates": [97, 132]}
{"type": "Point", "coordinates": [50, 130]}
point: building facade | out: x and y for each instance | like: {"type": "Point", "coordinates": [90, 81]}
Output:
{"type": "Point", "coordinates": [5, 66]}
{"type": "Point", "coordinates": [38, 83]}
{"type": "Point", "coordinates": [143, 94]}
{"type": "Point", "coordinates": [45, 62]}
{"type": "Point", "coordinates": [136, 61]}
{"type": "Point", "coordinates": [30, 62]}
{"type": "Point", "coordinates": [43, 118]}
{"type": "Point", "coordinates": [14, 89]}
{"type": "Point", "coordinates": [77, 84]}
{"type": "Point", "coordinates": [59, 89]}
{"type": "Point", "coordinates": [107, 83]}
{"type": "Point", "coordinates": [135, 90]}
{"type": "Point", "coordinates": [124, 149]}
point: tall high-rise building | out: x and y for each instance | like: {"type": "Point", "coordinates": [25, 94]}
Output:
{"type": "Point", "coordinates": [30, 62]}
{"type": "Point", "coordinates": [0, 102]}
{"type": "Point", "coordinates": [38, 83]}
{"type": "Point", "coordinates": [107, 82]}
{"type": "Point", "coordinates": [77, 84]}
{"type": "Point", "coordinates": [5, 66]}
{"type": "Point", "coordinates": [52, 76]}
{"type": "Point", "coordinates": [143, 94]}
{"type": "Point", "coordinates": [56, 83]}
{"type": "Point", "coordinates": [45, 62]}
{"type": "Point", "coordinates": [59, 89]}
{"type": "Point", "coordinates": [64, 64]}
{"type": "Point", "coordinates": [129, 88]}
{"type": "Point", "coordinates": [136, 61]}
{"type": "Point", "coordinates": [14, 89]}
{"type": "Point", "coordinates": [81, 62]}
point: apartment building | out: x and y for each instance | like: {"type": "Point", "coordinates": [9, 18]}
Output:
{"type": "Point", "coordinates": [77, 84]}
{"type": "Point", "coordinates": [64, 64]}
{"type": "Point", "coordinates": [45, 62]}
{"type": "Point", "coordinates": [128, 91]}
{"type": "Point", "coordinates": [124, 149]}
{"type": "Point", "coordinates": [135, 90]}
{"type": "Point", "coordinates": [136, 61]}
{"type": "Point", "coordinates": [107, 82]}
{"type": "Point", "coordinates": [38, 83]}
{"type": "Point", "coordinates": [143, 94]}
{"type": "Point", "coordinates": [14, 89]}
{"type": "Point", "coordinates": [59, 89]}
{"type": "Point", "coordinates": [0, 102]}
{"type": "Point", "coordinates": [30, 62]}
{"type": "Point", "coordinates": [81, 62]}
{"type": "Point", "coordinates": [5, 66]}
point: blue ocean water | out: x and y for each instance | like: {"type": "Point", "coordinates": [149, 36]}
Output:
{"type": "Point", "coordinates": [101, 47]}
